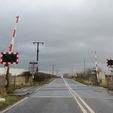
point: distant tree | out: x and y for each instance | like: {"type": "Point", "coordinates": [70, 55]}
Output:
{"type": "Point", "coordinates": [66, 75]}
{"type": "Point", "coordinates": [26, 73]}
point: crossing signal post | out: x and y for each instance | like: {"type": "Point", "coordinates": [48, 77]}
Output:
{"type": "Point", "coordinates": [10, 57]}
{"type": "Point", "coordinates": [109, 76]}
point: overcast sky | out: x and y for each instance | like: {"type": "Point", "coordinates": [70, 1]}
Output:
{"type": "Point", "coordinates": [71, 30]}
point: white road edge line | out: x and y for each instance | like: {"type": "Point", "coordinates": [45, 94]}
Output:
{"type": "Point", "coordinates": [10, 107]}
{"type": "Point", "coordinates": [75, 95]}
{"type": "Point", "coordinates": [50, 83]}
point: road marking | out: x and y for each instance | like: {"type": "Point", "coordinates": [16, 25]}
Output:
{"type": "Point", "coordinates": [78, 99]}
{"type": "Point", "coordinates": [46, 85]}
{"type": "Point", "coordinates": [81, 107]}
{"type": "Point", "coordinates": [52, 97]}
{"type": "Point", "coordinates": [10, 107]}
{"type": "Point", "coordinates": [50, 83]}
{"type": "Point", "coordinates": [98, 98]}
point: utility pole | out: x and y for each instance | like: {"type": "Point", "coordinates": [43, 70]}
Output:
{"type": "Point", "coordinates": [57, 72]}
{"type": "Point", "coordinates": [72, 71]}
{"type": "Point", "coordinates": [97, 68]}
{"type": "Point", "coordinates": [38, 43]}
{"type": "Point", "coordinates": [53, 67]}
{"type": "Point", "coordinates": [84, 67]}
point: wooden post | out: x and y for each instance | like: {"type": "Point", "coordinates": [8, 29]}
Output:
{"type": "Point", "coordinates": [7, 78]}
{"type": "Point", "coordinates": [14, 81]}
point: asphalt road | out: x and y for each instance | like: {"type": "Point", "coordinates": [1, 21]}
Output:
{"type": "Point", "coordinates": [66, 96]}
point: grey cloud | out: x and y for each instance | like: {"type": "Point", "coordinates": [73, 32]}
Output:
{"type": "Point", "coordinates": [72, 31]}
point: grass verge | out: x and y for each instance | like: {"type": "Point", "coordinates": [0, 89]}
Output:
{"type": "Point", "coordinates": [86, 82]}
{"type": "Point", "coordinates": [104, 85]}
{"type": "Point", "coordinates": [9, 100]}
